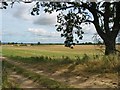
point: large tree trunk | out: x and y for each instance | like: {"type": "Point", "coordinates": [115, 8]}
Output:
{"type": "Point", "coordinates": [107, 35]}
{"type": "Point", "coordinates": [110, 46]}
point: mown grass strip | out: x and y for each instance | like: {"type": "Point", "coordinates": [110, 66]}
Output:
{"type": "Point", "coordinates": [42, 80]}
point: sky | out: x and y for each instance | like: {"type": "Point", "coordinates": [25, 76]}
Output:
{"type": "Point", "coordinates": [19, 26]}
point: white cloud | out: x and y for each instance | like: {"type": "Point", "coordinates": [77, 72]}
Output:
{"type": "Point", "coordinates": [44, 36]}
{"type": "Point", "coordinates": [24, 10]}
{"type": "Point", "coordinates": [46, 19]}
{"type": "Point", "coordinates": [43, 32]}
{"type": "Point", "coordinates": [89, 29]}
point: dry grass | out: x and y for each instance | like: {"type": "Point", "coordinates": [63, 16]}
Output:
{"type": "Point", "coordinates": [49, 50]}
{"type": "Point", "coordinates": [82, 61]}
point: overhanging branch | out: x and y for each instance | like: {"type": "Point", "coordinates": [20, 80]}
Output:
{"type": "Point", "coordinates": [64, 8]}
{"type": "Point", "coordinates": [88, 21]}
{"type": "Point", "coordinates": [91, 9]}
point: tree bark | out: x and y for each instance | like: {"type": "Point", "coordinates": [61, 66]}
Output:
{"type": "Point", "coordinates": [110, 46]}
{"type": "Point", "coordinates": [108, 36]}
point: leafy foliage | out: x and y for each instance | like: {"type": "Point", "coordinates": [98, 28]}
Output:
{"type": "Point", "coordinates": [104, 15]}
{"type": "Point", "coordinates": [68, 23]}
{"type": "Point", "coordinates": [4, 5]}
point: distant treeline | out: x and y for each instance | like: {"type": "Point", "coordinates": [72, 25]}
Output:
{"type": "Point", "coordinates": [38, 43]}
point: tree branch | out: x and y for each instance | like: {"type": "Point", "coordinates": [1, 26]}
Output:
{"type": "Point", "coordinates": [77, 5]}
{"type": "Point", "coordinates": [96, 21]}
{"type": "Point", "coordinates": [116, 26]}
{"type": "Point", "coordinates": [64, 8]}
{"type": "Point", "coordinates": [91, 8]}
{"type": "Point", "coordinates": [88, 21]}
{"type": "Point", "coordinates": [106, 18]}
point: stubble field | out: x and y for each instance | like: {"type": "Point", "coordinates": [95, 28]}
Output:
{"type": "Point", "coordinates": [50, 50]}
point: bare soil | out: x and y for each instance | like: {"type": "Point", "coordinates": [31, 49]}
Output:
{"type": "Point", "coordinates": [64, 75]}
{"type": "Point", "coordinates": [21, 81]}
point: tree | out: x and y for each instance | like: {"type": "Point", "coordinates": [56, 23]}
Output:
{"type": "Point", "coordinates": [104, 15]}
{"type": "Point", "coordinates": [38, 43]}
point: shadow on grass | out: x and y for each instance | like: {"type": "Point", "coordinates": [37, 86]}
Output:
{"type": "Point", "coordinates": [42, 59]}
{"type": "Point", "coordinates": [100, 64]}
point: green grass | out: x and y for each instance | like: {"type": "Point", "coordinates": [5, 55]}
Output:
{"type": "Point", "coordinates": [6, 83]}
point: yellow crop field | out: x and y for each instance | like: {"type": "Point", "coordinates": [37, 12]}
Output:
{"type": "Point", "coordinates": [50, 50]}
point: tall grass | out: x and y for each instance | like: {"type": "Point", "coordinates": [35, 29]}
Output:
{"type": "Point", "coordinates": [42, 59]}
{"type": "Point", "coordinates": [6, 83]}
{"type": "Point", "coordinates": [104, 64]}
{"type": "Point", "coordinates": [95, 64]}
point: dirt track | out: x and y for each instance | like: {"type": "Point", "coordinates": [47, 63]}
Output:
{"type": "Point", "coordinates": [80, 81]}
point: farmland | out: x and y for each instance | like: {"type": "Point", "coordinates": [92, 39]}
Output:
{"type": "Point", "coordinates": [49, 50]}
{"type": "Point", "coordinates": [56, 66]}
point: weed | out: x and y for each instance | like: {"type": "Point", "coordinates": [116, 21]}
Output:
{"type": "Point", "coordinates": [106, 64]}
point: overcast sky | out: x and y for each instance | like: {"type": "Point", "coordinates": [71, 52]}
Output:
{"type": "Point", "coordinates": [19, 26]}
